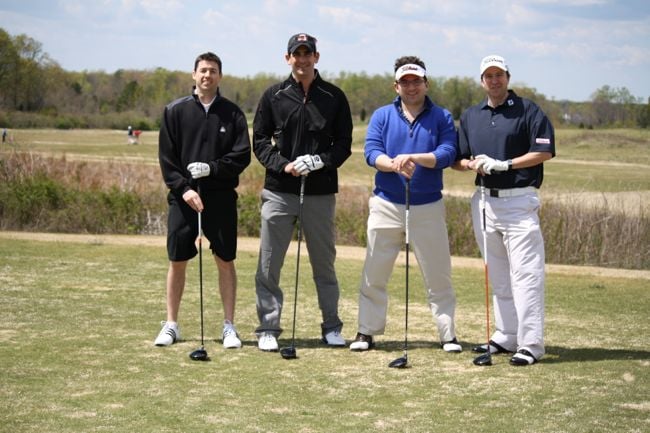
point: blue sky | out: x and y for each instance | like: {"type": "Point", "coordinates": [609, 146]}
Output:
{"type": "Point", "coordinates": [566, 49]}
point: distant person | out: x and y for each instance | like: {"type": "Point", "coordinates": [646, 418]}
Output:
{"type": "Point", "coordinates": [302, 127]}
{"type": "Point", "coordinates": [505, 139]}
{"type": "Point", "coordinates": [130, 135]}
{"type": "Point", "coordinates": [4, 135]}
{"type": "Point", "coordinates": [203, 147]}
{"type": "Point", "coordinates": [410, 140]}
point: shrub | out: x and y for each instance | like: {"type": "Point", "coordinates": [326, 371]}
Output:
{"type": "Point", "coordinates": [48, 194]}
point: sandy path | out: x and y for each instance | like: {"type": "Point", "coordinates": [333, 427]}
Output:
{"type": "Point", "coordinates": [343, 252]}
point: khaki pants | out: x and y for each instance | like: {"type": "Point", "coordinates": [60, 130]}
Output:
{"type": "Point", "coordinates": [428, 239]}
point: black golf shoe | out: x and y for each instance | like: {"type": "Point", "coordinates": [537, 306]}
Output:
{"type": "Point", "coordinates": [494, 348]}
{"type": "Point", "coordinates": [522, 358]}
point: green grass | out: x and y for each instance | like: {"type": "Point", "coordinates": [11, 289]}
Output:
{"type": "Point", "coordinates": [77, 356]}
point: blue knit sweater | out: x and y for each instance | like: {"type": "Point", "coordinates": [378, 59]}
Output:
{"type": "Point", "coordinates": [390, 133]}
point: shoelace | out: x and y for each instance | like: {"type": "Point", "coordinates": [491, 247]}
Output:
{"type": "Point", "coordinates": [229, 331]}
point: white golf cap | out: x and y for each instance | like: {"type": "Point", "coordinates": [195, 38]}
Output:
{"type": "Point", "coordinates": [493, 60]}
{"type": "Point", "coordinates": [410, 69]}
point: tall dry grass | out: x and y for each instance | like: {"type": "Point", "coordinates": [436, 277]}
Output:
{"type": "Point", "coordinates": [39, 193]}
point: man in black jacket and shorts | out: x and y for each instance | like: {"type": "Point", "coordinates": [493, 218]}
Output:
{"type": "Point", "coordinates": [302, 127]}
{"type": "Point", "coordinates": [203, 147]}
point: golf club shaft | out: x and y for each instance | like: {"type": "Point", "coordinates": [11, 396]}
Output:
{"type": "Point", "coordinates": [299, 227]}
{"type": "Point", "coordinates": [200, 269]}
{"type": "Point", "coordinates": [485, 264]}
{"type": "Point", "coordinates": [407, 247]}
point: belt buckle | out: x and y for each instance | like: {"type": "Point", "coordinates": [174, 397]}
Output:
{"type": "Point", "coordinates": [494, 193]}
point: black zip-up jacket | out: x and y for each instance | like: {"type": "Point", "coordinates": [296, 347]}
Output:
{"type": "Point", "coordinates": [289, 124]}
{"type": "Point", "coordinates": [189, 134]}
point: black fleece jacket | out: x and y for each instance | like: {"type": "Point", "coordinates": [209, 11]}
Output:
{"type": "Point", "coordinates": [189, 134]}
{"type": "Point", "coordinates": [289, 124]}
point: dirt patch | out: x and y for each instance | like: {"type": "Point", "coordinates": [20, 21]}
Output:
{"type": "Point", "coordinates": [343, 252]}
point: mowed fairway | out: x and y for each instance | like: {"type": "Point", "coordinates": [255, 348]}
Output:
{"type": "Point", "coordinates": [79, 318]}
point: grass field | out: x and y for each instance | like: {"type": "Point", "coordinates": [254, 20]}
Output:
{"type": "Point", "coordinates": [77, 356]}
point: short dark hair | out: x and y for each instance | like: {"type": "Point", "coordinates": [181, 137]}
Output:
{"type": "Point", "coordinates": [405, 60]}
{"type": "Point", "coordinates": [209, 57]}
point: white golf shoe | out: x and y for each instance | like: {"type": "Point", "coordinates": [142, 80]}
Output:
{"type": "Point", "coordinates": [267, 342]}
{"type": "Point", "coordinates": [334, 339]}
{"type": "Point", "coordinates": [229, 336]}
{"type": "Point", "coordinates": [169, 334]}
{"type": "Point", "coordinates": [452, 346]}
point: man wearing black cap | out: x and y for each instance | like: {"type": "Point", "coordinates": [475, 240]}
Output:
{"type": "Point", "coordinates": [302, 127]}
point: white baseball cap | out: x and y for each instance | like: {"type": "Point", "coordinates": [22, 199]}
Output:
{"type": "Point", "coordinates": [410, 69]}
{"type": "Point", "coordinates": [493, 60]}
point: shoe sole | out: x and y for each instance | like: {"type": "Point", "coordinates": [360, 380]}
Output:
{"type": "Point", "coordinates": [372, 346]}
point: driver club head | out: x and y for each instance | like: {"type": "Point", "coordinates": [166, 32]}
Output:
{"type": "Point", "coordinates": [401, 362]}
{"type": "Point", "coordinates": [288, 352]}
{"type": "Point", "coordinates": [484, 359]}
{"type": "Point", "coordinates": [199, 354]}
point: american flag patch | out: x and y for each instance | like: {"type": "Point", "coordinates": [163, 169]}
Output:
{"type": "Point", "coordinates": [543, 140]}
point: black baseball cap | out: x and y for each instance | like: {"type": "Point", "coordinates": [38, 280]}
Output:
{"type": "Point", "coordinates": [301, 39]}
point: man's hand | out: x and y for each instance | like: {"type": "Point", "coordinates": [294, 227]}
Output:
{"type": "Point", "coordinates": [199, 169]}
{"type": "Point", "coordinates": [307, 163]}
{"type": "Point", "coordinates": [488, 165]}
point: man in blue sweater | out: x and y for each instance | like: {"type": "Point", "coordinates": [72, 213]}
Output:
{"type": "Point", "coordinates": [414, 139]}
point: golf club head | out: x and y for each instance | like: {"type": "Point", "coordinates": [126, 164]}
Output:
{"type": "Point", "coordinates": [483, 360]}
{"type": "Point", "coordinates": [401, 362]}
{"type": "Point", "coordinates": [199, 354]}
{"type": "Point", "coordinates": [288, 352]}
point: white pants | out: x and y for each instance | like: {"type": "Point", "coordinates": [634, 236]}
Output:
{"type": "Point", "coordinates": [515, 258]}
{"type": "Point", "coordinates": [428, 239]}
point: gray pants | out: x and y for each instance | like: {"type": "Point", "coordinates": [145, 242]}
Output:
{"type": "Point", "coordinates": [279, 215]}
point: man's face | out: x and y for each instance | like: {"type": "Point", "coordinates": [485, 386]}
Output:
{"type": "Point", "coordinates": [302, 62]}
{"type": "Point", "coordinates": [495, 82]}
{"type": "Point", "coordinates": [412, 89]}
{"type": "Point", "coordinates": [207, 77]}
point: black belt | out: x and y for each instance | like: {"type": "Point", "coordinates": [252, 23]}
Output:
{"type": "Point", "coordinates": [509, 192]}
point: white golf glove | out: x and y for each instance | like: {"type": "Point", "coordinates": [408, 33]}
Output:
{"type": "Point", "coordinates": [199, 169]}
{"type": "Point", "coordinates": [490, 164]}
{"type": "Point", "coordinates": [307, 163]}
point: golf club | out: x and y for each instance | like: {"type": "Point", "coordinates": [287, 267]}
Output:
{"type": "Point", "coordinates": [200, 354]}
{"type": "Point", "coordinates": [486, 358]}
{"type": "Point", "coordinates": [290, 352]}
{"type": "Point", "coordinates": [403, 362]}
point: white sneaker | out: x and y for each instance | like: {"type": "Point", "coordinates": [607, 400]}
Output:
{"type": "Point", "coordinates": [334, 338]}
{"type": "Point", "coordinates": [452, 346]}
{"type": "Point", "coordinates": [230, 338]}
{"type": "Point", "coordinates": [169, 334]}
{"type": "Point", "coordinates": [267, 342]}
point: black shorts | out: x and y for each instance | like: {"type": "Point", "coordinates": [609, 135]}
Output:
{"type": "Point", "coordinates": [219, 221]}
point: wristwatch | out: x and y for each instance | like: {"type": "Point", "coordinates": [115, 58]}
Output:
{"type": "Point", "coordinates": [509, 164]}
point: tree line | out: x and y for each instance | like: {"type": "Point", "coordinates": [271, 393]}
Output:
{"type": "Point", "coordinates": [36, 92]}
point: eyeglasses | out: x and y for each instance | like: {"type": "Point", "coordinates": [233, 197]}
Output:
{"type": "Point", "coordinates": [407, 83]}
